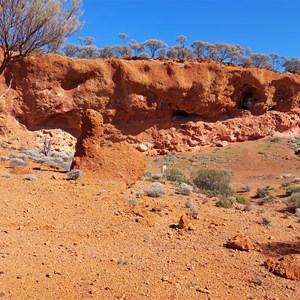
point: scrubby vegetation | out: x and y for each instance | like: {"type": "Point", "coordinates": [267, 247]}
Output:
{"type": "Point", "coordinates": [151, 48]}
{"type": "Point", "coordinates": [29, 177]}
{"type": "Point", "coordinates": [156, 190]}
{"type": "Point", "coordinates": [176, 175]}
{"type": "Point", "coordinates": [262, 192]}
{"type": "Point", "coordinates": [14, 162]}
{"type": "Point", "coordinates": [184, 189]}
{"type": "Point", "coordinates": [224, 202]}
{"type": "Point", "coordinates": [215, 182]}
{"type": "Point", "coordinates": [294, 201]}
{"type": "Point", "coordinates": [292, 189]}
{"type": "Point", "coordinates": [74, 174]}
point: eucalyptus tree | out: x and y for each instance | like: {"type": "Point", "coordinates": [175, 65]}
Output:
{"type": "Point", "coordinates": [89, 51]}
{"type": "Point", "coordinates": [179, 52]}
{"type": "Point", "coordinates": [181, 39]}
{"type": "Point", "coordinates": [261, 60]}
{"type": "Point", "coordinates": [153, 47]}
{"type": "Point", "coordinates": [30, 25]}
{"type": "Point", "coordinates": [292, 65]}
{"type": "Point", "coordinates": [277, 62]}
{"type": "Point", "coordinates": [87, 41]}
{"type": "Point", "coordinates": [202, 49]}
{"type": "Point", "coordinates": [123, 37]}
{"type": "Point", "coordinates": [70, 50]}
{"type": "Point", "coordinates": [106, 52]}
{"type": "Point", "coordinates": [122, 51]}
{"type": "Point", "coordinates": [225, 52]}
{"type": "Point", "coordinates": [136, 47]}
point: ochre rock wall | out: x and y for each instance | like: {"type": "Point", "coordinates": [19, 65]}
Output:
{"type": "Point", "coordinates": [116, 162]}
{"type": "Point", "coordinates": [165, 104]}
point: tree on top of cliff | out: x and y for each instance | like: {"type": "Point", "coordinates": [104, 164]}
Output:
{"type": "Point", "coordinates": [30, 25]}
{"type": "Point", "coordinates": [153, 47]}
{"type": "Point", "coordinates": [123, 37]}
{"type": "Point", "coordinates": [180, 52]}
{"type": "Point", "coordinates": [87, 40]}
{"type": "Point", "coordinates": [181, 39]}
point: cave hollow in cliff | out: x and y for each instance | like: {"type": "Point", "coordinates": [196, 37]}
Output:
{"type": "Point", "coordinates": [181, 115]}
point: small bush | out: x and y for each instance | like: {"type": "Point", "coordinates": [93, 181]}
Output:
{"type": "Point", "coordinates": [156, 190]}
{"type": "Point", "coordinates": [214, 181]}
{"type": "Point", "coordinates": [225, 203]}
{"type": "Point", "coordinates": [276, 140]}
{"type": "Point", "coordinates": [74, 174]}
{"type": "Point", "coordinates": [246, 188]}
{"type": "Point", "coordinates": [189, 204]}
{"type": "Point", "coordinates": [194, 213]}
{"type": "Point", "coordinates": [241, 200]}
{"type": "Point", "coordinates": [14, 162]}
{"type": "Point", "coordinates": [153, 177]}
{"type": "Point", "coordinates": [265, 221]}
{"type": "Point", "coordinates": [174, 175]}
{"type": "Point", "coordinates": [293, 139]}
{"type": "Point", "coordinates": [29, 177]}
{"type": "Point", "coordinates": [157, 176]}
{"type": "Point", "coordinates": [287, 175]}
{"type": "Point", "coordinates": [184, 189]}
{"type": "Point", "coordinates": [140, 194]}
{"type": "Point", "coordinates": [132, 202]}
{"type": "Point", "coordinates": [262, 192]}
{"type": "Point", "coordinates": [285, 184]}
{"type": "Point", "coordinates": [265, 200]}
{"type": "Point", "coordinates": [294, 201]}
{"type": "Point", "coordinates": [292, 189]}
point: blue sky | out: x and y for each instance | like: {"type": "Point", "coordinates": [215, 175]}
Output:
{"type": "Point", "coordinates": [265, 26]}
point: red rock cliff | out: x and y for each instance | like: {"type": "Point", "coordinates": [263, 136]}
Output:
{"type": "Point", "coordinates": [165, 104]}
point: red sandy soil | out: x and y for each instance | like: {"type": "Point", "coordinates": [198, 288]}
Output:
{"type": "Point", "coordinates": [64, 239]}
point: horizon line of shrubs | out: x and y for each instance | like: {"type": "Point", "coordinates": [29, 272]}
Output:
{"type": "Point", "coordinates": [154, 48]}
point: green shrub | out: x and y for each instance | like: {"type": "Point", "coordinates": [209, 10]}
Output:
{"type": "Point", "coordinates": [153, 177]}
{"type": "Point", "coordinates": [275, 140]}
{"type": "Point", "coordinates": [225, 203]}
{"type": "Point", "coordinates": [216, 182]}
{"type": "Point", "coordinates": [292, 189]}
{"type": "Point", "coordinates": [294, 201]}
{"type": "Point", "coordinates": [265, 200]}
{"type": "Point", "coordinates": [174, 175]}
{"type": "Point", "coordinates": [262, 192]}
{"type": "Point", "coordinates": [241, 200]}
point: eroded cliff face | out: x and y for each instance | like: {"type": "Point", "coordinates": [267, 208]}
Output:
{"type": "Point", "coordinates": [165, 104]}
{"type": "Point", "coordinates": [116, 162]}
